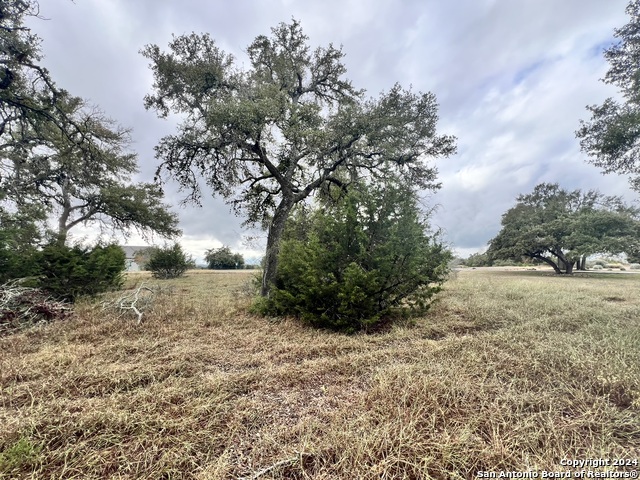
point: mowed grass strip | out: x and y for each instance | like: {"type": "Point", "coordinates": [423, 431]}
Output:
{"type": "Point", "coordinates": [508, 371]}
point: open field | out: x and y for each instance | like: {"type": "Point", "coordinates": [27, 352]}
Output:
{"type": "Point", "coordinates": [510, 370]}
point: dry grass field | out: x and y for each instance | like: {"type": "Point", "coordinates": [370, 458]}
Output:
{"type": "Point", "coordinates": [509, 371]}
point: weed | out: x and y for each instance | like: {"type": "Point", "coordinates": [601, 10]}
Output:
{"type": "Point", "coordinates": [19, 456]}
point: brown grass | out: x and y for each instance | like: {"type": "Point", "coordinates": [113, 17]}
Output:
{"type": "Point", "coordinates": [508, 371]}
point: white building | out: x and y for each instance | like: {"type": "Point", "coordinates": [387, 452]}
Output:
{"type": "Point", "coordinates": [136, 257]}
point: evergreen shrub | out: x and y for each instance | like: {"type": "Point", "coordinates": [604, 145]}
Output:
{"type": "Point", "coordinates": [358, 262]}
{"type": "Point", "coordinates": [71, 272]}
{"type": "Point", "coordinates": [168, 262]}
{"type": "Point", "coordinates": [16, 261]}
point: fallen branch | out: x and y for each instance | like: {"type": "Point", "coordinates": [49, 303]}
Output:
{"type": "Point", "coordinates": [134, 301]}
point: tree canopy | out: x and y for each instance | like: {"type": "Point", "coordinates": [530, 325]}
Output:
{"type": "Point", "coordinates": [268, 137]}
{"type": "Point", "coordinates": [83, 178]}
{"type": "Point", "coordinates": [612, 137]}
{"type": "Point", "coordinates": [27, 92]}
{"type": "Point", "coordinates": [59, 156]}
{"type": "Point", "coordinates": [224, 259]}
{"type": "Point", "coordinates": [561, 227]}
{"type": "Point", "coordinates": [29, 98]}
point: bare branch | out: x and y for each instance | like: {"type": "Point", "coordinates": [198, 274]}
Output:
{"type": "Point", "coordinates": [135, 301]}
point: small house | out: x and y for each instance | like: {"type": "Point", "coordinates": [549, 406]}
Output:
{"type": "Point", "coordinates": [136, 257]}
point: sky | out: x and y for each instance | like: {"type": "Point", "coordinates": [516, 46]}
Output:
{"type": "Point", "coordinates": [512, 79]}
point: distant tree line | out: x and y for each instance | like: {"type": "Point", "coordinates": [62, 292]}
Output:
{"type": "Point", "coordinates": [561, 228]}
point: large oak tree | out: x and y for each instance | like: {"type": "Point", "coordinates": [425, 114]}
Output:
{"type": "Point", "coordinates": [81, 177]}
{"type": "Point", "coordinates": [268, 137]}
{"type": "Point", "coordinates": [561, 227]}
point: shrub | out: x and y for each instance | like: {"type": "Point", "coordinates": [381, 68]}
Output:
{"type": "Point", "coordinates": [359, 261]}
{"type": "Point", "coordinates": [633, 257]}
{"type": "Point", "coordinates": [635, 266]}
{"type": "Point", "coordinates": [598, 267]}
{"type": "Point", "coordinates": [224, 259]}
{"type": "Point", "coordinates": [168, 262]}
{"type": "Point", "coordinates": [70, 272]}
{"type": "Point", "coordinates": [16, 261]}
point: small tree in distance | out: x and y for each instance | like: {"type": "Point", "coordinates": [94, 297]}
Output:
{"type": "Point", "coordinates": [223, 259]}
{"type": "Point", "coordinates": [169, 262]}
{"type": "Point", "coordinates": [477, 260]}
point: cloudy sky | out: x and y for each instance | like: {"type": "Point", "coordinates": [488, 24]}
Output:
{"type": "Point", "coordinates": [512, 78]}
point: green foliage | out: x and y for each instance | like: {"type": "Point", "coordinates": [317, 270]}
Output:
{"type": "Point", "coordinates": [60, 156]}
{"type": "Point", "coordinates": [560, 227]}
{"type": "Point", "coordinates": [633, 256]}
{"type": "Point", "coordinates": [328, 132]}
{"type": "Point", "coordinates": [168, 262]}
{"type": "Point", "coordinates": [19, 236]}
{"type": "Point", "coordinates": [360, 260]}
{"type": "Point", "coordinates": [504, 263]}
{"type": "Point", "coordinates": [223, 259]}
{"type": "Point", "coordinates": [15, 262]}
{"type": "Point", "coordinates": [611, 137]}
{"type": "Point", "coordinates": [27, 93]}
{"type": "Point", "coordinates": [70, 272]}
{"type": "Point", "coordinates": [85, 179]}
{"type": "Point", "coordinates": [138, 206]}
{"type": "Point", "coordinates": [477, 260]}
{"type": "Point", "coordinates": [18, 457]}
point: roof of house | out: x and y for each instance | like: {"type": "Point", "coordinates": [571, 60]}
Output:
{"type": "Point", "coordinates": [131, 250]}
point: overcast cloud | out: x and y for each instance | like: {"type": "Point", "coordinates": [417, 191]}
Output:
{"type": "Point", "coordinates": [512, 78]}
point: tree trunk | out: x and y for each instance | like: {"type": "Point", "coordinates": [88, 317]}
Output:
{"type": "Point", "coordinates": [564, 263]}
{"type": "Point", "coordinates": [61, 235]}
{"type": "Point", "coordinates": [550, 262]}
{"type": "Point", "coordinates": [580, 262]}
{"type": "Point", "coordinates": [276, 229]}
{"type": "Point", "coordinates": [63, 229]}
